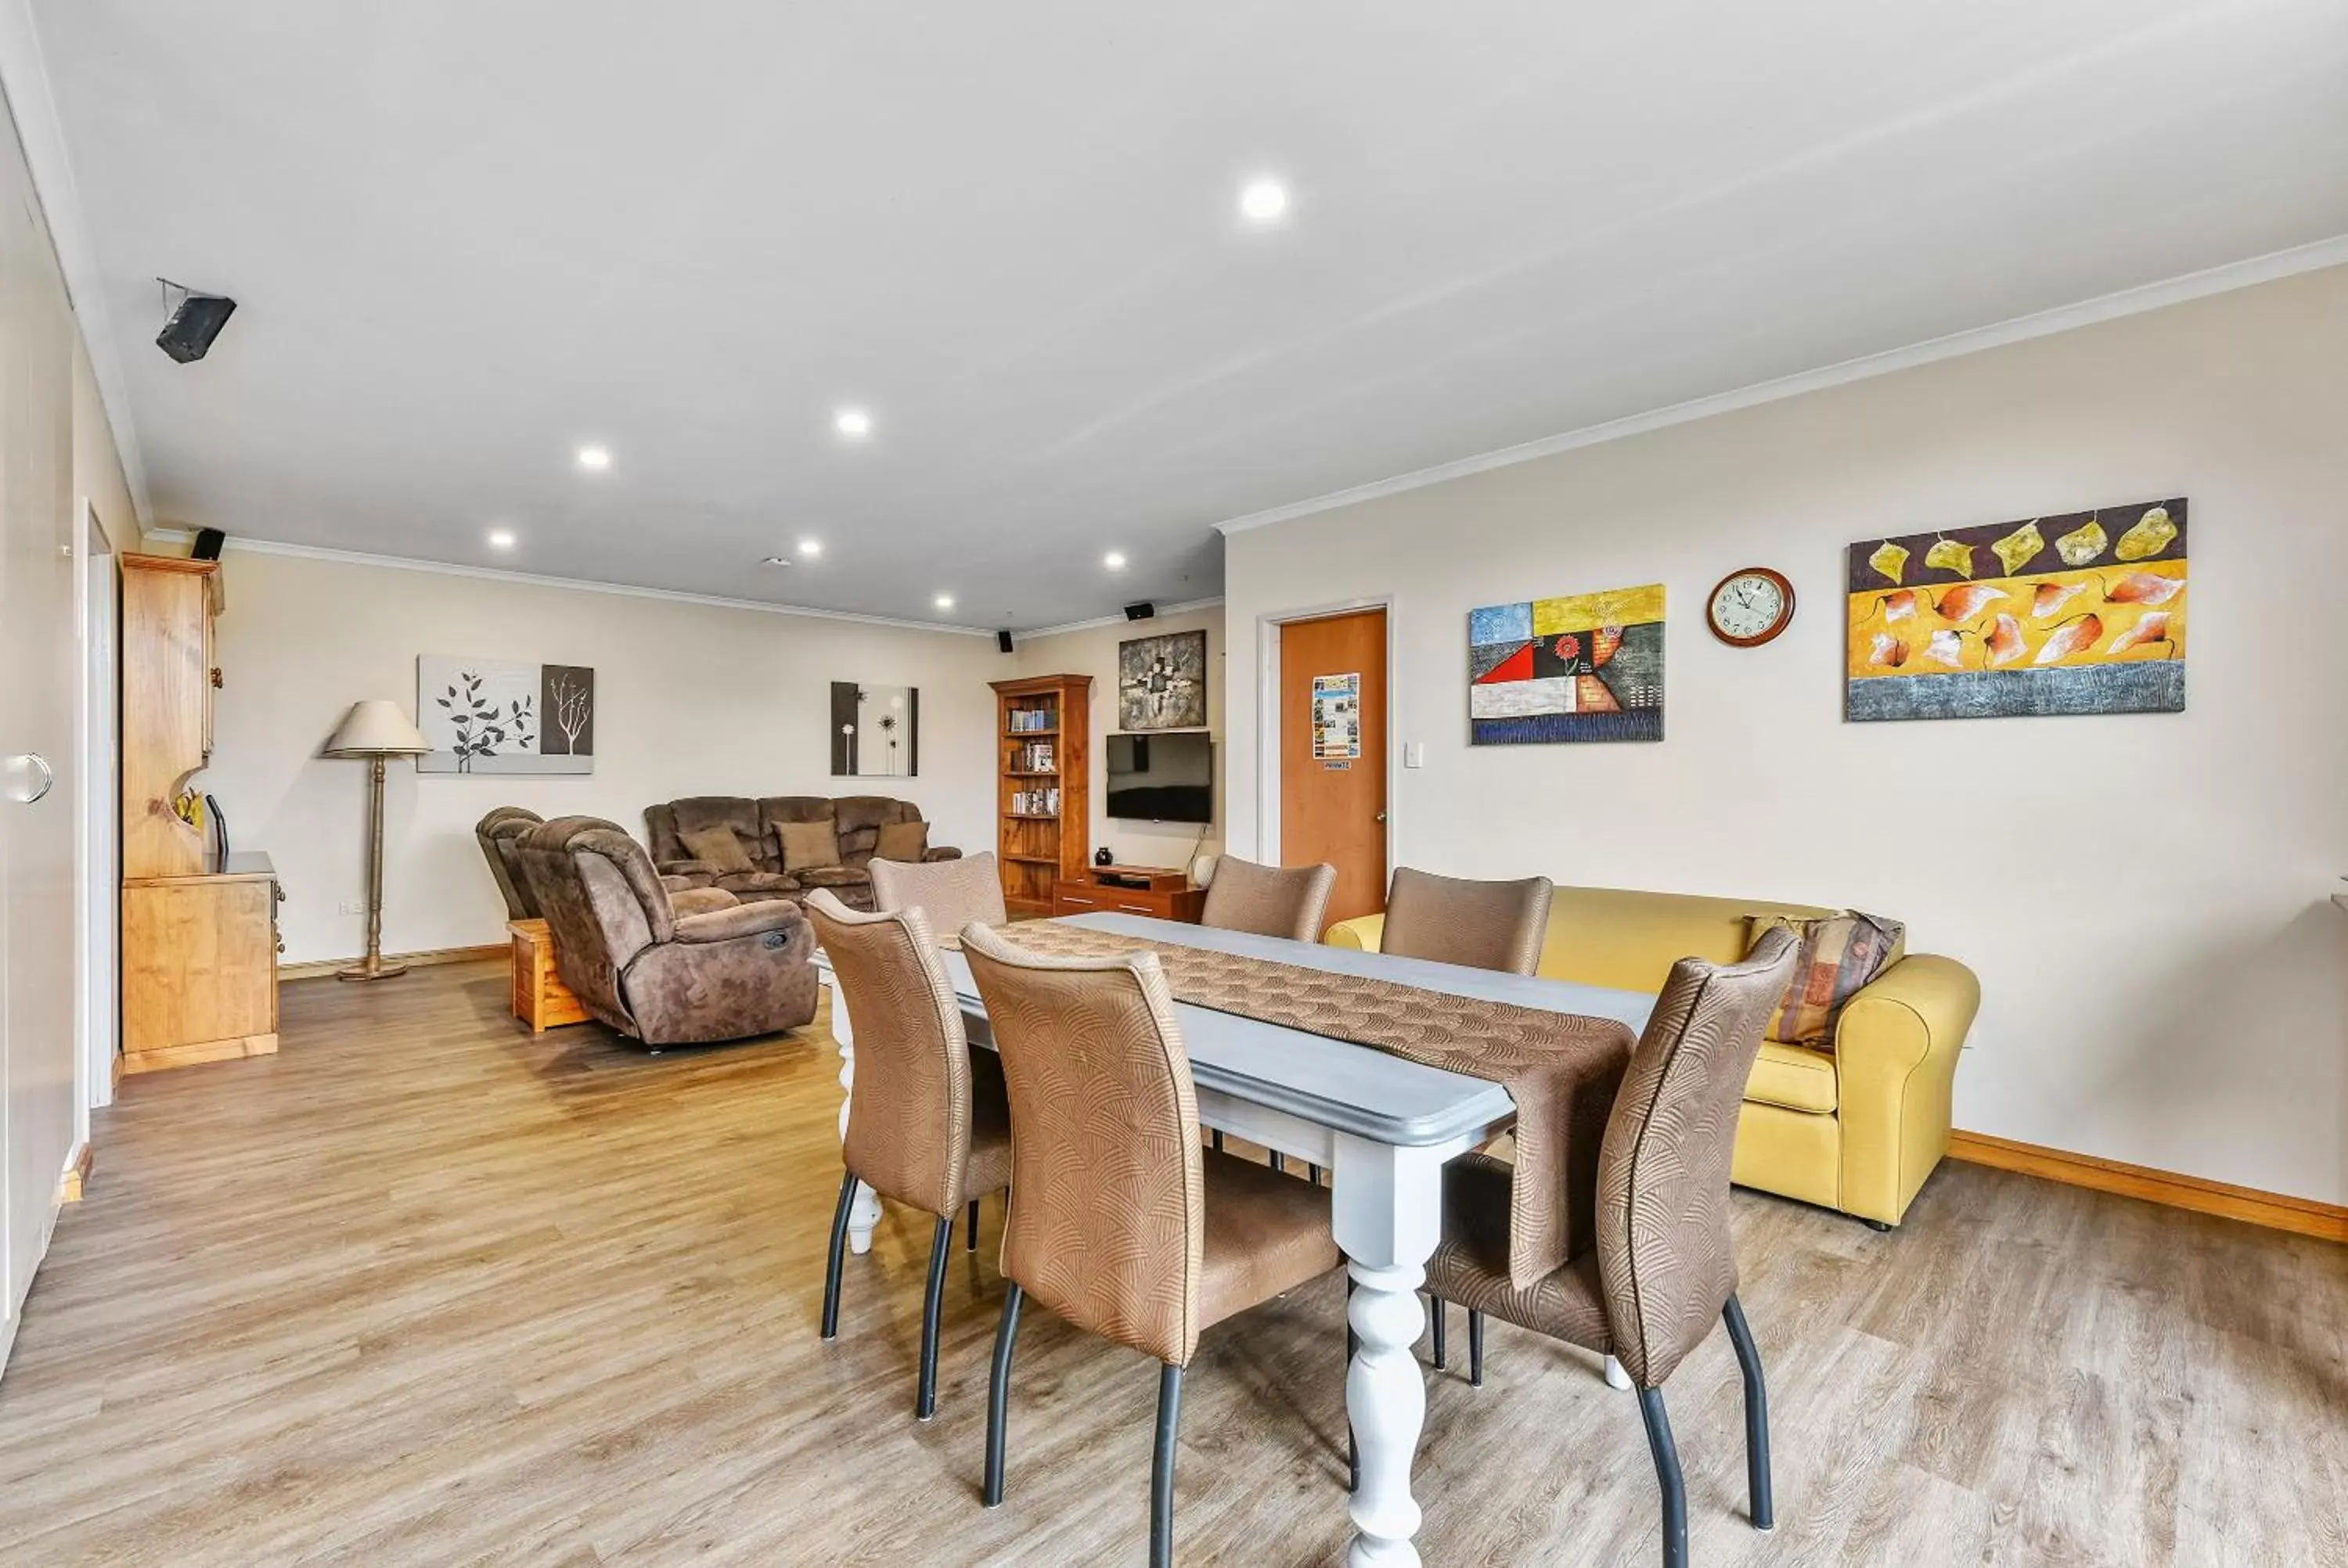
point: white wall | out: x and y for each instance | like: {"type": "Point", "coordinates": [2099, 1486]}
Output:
{"type": "Point", "coordinates": [691, 699]}
{"type": "Point", "coordinates": [2144, 897]}
{"type": "Point", "coordinates": [1092, 650]}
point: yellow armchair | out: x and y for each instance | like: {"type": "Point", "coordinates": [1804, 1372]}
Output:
{"type": "Point", "coordinates": [1856, 1129]}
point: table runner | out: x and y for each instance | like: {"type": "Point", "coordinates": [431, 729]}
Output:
{"type": "Point", "coordinates": [1561, 1069]}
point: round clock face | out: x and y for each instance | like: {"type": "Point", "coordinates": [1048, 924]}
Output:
{"type": "Point", "coordinates": [1751, 607]}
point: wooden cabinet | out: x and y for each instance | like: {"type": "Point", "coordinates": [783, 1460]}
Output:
{"type": "Point", "coordinates": [1129, 890]}
{"type": "Point", "coordinates": [199, 940]}
{"type": "Point", "coordinates": [1043, 741]}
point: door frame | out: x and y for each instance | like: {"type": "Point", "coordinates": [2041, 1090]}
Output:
{"type": "Point", "coordinates": [1268, 716]}
{"type": "Point", "coordinates": [98, 822]}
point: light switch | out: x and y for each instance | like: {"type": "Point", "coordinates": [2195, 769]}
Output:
{"type": "Point", "coordinates": [1413, 753]}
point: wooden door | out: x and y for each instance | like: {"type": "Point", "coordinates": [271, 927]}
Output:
{"type": "Point", "coordinates": [1333, 807]}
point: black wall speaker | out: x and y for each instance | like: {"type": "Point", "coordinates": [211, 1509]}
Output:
{"type": "Point", "coordinates": [1003, 641]}
{"type": "Point", "coordinates": [208, 545]}
{"type": "Point", "coordinates": [195, 322]}
{"type": "Point", "coordinates": [1141, 612]}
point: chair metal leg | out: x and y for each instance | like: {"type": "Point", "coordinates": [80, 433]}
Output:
{"type": "Point", "coordinates": [832, 1263]}
{"type": "Point", "coordinates": [998, 1392]}
{"type": "Point", "coordinates": [1216, 1140]}
{"type": "Point", "coordinates": [972, 1244]}
{"type": "Point", "coordinates": [1353, 1344]}
{"type": "Point", "coordinates": [1279, 1161]}
{"type": "Point", "coordinates": [1312, 1172]}
{"type": "Point", "coordinates": [1475, 1348]}
{"type": "Point", "coordinates": [925, 1401]}
{"type": "Point", "coordinates": [1667, 1474]}
{"type": "Point", "coordinates": [1435, 1314]}
{"type": "Point", "coordinates": [1162, 1473]}
{"type": "Point", "coordinates": [1756, 1416]}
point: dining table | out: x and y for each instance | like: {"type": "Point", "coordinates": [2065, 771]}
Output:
{"type": "Point", "coordinates": [1383, 1128]}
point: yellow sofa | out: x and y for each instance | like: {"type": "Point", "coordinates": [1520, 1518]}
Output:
{"type": "Point", "coordinates": [1856, 1129]}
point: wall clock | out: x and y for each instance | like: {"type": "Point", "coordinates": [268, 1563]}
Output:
{"type": "Point", "coordinates": [1750, 606]}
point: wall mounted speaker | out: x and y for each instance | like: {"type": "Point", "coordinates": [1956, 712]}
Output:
{"type": "Point", "coordinates": [1003, 641]}
{"type": "Point", "coordinates": [208, 545]}
{"type": "Point", "coordinates": [195, 322]}
{"type": "Point", "coordinates": [1141, 612]}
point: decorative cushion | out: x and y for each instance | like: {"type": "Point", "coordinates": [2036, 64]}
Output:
{"type": "Point", "coordinates": [1839, 955]}
{"type": "Point", "coordinates": [807, 844]}
{"type": "Point", "coordinates": [1794, 1077]}
{"type": "Point", "coordinates": [902, 840]}
{"type": "Point", "coordinates": [715, 847]}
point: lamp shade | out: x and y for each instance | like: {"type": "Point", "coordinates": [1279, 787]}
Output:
{"type": "Point", "coordinates": [377, 729]}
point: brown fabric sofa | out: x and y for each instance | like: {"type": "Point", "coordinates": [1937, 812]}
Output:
{"type": "Point", "coordinates": [857, 819]}
{"type": "Point", "coordinates": [650, 972]}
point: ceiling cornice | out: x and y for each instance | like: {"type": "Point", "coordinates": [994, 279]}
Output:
{"type": "Point", "coordinates": [2233, 275]}
{"type": "Point", "coordinates": [576, 585]}
{"type": "Point", "coordinates": [25, 75]}
{"type": "Point", "coordinates": [1117, 620]}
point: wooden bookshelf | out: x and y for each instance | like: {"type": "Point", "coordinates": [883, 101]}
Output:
{"type": "Point", "coordinates": [1037, 846]}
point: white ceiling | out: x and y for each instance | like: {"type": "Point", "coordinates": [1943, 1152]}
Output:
{"type": "Point", "coordinates": [467, 236]}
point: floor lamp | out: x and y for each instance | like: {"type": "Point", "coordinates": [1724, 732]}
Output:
{"type": "Point", "coordinates": [375, 729]}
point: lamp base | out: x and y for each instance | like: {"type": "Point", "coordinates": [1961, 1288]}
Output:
{"type": "Point", "coordinates": [370, 969]}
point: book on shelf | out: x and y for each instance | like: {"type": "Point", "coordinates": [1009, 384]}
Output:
{"type": "Point", "coordinates": [1035, 757]}
{"type": "Point", "coordinates": [1036, 802]}
{"type": "Point", "coordinates": [1023, 720]}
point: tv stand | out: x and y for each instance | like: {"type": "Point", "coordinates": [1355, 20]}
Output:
{"type": "Point", "coordinates": [1160, 892]}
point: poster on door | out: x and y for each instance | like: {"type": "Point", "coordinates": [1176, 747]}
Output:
{"type": "Point", "coordinates": [1337, 717]}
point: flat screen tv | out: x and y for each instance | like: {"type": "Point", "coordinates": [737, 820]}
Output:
{"type": "Point", "coordinates": [1168, 777]}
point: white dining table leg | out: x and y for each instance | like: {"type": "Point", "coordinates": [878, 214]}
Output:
{"type": "Point", "coordinates": [1388, 1208]}
{"type": "Point", "coordinates": [864, 1210]}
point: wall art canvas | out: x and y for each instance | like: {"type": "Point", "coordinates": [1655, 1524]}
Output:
{"type": "Point", "coordinates": [1161, 682]}
{"type": "Point", "coordinates": [876, 730]}
{"type": "Point", "coordinates": [501, 716]}
{"type": "Point", "coordinates": [2078, 614]}
{"type": "Point", "coordinates": [1586, 667]}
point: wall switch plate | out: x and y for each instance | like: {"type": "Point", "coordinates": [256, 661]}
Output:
{"type": "Point", "coordinates": [1413, 753]}
{"type": "Point", "coordinates": [350, 906]}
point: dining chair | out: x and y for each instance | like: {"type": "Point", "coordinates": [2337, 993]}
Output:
{"type": "Point", "coordinates": [1663, 1266]}
{"type": "Point", "coordinates": [1269, 900]}
{"type": "Point", "coordinates": [1452, 921]}
{"type": "Point", "coordinates": [1119, 1221]}
{"type": "Point", "coordinates": [950, 893]}
{"type": "Point", "coordinates": [928, 1123]}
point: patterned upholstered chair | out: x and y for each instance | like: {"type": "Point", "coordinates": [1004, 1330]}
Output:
{"type": "Point", "coordinates": [655, 974]}
{"type": "Point", "coordinates": [950, 893]}
{"type": "Point", "coordinates": [1269, 900]}
{"type": "Point", "coordinates": [1119, 1220]}
{"type": "Point", "coordinates": [1482, 925]}
{"type": "Point", "coordinates": [1664, 1265]}
{"type": "Point", "coordinates": [500, 834]}
{"type": "Point", "coordinates": [928, 1125]}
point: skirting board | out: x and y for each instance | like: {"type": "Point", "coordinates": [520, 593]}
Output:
{"type": "Point", "coordinates": [77, 1177]}
{"type": "Point", "coordinates": [318, 967]}
{"type": "Point", "coordinates": [2303, 1216]}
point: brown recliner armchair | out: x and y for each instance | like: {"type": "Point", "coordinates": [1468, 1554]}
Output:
{"type": "Point", "coordinates": [652, 973]}
{"type": "Point", "coordinates": [500, 835]}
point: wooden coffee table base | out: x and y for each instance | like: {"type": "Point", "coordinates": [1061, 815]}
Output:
{"type": "Point", "coordinates": [540, 999]}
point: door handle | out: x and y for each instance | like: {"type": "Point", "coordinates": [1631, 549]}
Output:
{"type": "Point", "coordinates": [1381, 816]}
{"type": "Point", "coordinates": [25, 792]}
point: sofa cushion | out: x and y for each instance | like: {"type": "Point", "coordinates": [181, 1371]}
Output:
{"type": "Point", "coordinates": [718, 847]}
{"type": "Point", "coordinates": [902, 841]}
{"type": "Point", "coordinates": [757, 882]}
{"type": "Point", "coordinates": [836, 876]}
{"type": "Point", "coordinates": [1839, 955]}
{"type": "Point", "coordinates": [808, 846]}
{"type": "Point", "coordinates": [1793, 1076]}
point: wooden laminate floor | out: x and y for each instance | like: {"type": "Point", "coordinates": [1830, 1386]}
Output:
{"type": "Point", "coordinates": [421, 1290]}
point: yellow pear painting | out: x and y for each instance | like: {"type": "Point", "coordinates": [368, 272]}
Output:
{"type": "Point", "coordinates": [2080, 614]}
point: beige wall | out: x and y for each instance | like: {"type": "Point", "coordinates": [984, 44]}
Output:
{"type": "Point", "coordinates": [1093, 651]}
{"type": "Point", "coordinates": [2145, 898]}
{"type": "Point", "coordinates": [97, 467]}
{"type": "Point", "coordinates": [691, 699]}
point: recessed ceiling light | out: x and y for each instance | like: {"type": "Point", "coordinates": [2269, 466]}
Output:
{"type": "Point", "coordinates": [502, 538]}
{"type": "Point", "coordinates": [776, 560]}
{"type": "Point", "coordinates": [810, 547]}
{"type": "Point", "coordinates": [1264, 200]}
{"type": "Point", "coordinates": [853, 423]}
{"type": "Point", "coordinates": [944, 602]}
{"type": "Point", "coordinates": [594, 459]}
{"type": "Point", "coordinates": [1114, 560]}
